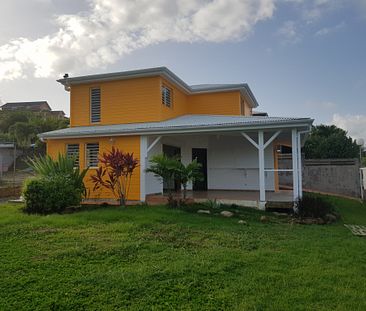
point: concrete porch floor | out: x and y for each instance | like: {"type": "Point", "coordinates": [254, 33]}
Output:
{"type": "Point", "coordinates": [239, 197]}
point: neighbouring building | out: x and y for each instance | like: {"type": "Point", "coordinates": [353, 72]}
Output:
{"type": "Point", "coordinates": [34, 106]}
{"type": "Point", "coordinates": [152, 111]}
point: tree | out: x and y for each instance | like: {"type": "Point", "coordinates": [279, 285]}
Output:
{"type": "Point", "coordinates": [188, 173]}
{"type": "Point", "coordinates": [116, 173]}
{"type": "Point", "coordinates": [171, 168]}
{"type": "Point", "coordinates": [164, 167]}
{"type": "Point", "coordinates": [330, 142]}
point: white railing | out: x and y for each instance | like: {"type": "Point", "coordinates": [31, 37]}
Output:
{"type": "Point", "coordinates": [363, 181]}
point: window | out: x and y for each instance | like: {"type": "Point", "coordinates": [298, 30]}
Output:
{"type": "Point", "coordinates": [72, 151]}
{"type": "Point", "coordinates": [166, 96]}
{"type": "Point", "coordinates": [95, 105]}
{"type": "Point", "coordinates": [92, 154]}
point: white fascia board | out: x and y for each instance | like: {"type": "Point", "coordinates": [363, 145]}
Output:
{"type": "Point", "coordinates": [186, 131]}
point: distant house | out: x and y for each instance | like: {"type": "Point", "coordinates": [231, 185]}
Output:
{"type": "Point", "coordinates": [36, 106]}
{"type": "Point", "coordinates": [57, 114]}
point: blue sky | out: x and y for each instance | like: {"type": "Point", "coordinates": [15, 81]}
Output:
{"type": "Point", "coordinates": [300, 57]}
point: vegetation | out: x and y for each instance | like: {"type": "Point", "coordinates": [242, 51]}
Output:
{"type": "Point", "coordinates": [23, 126]}
{"type": "Point", "coordinates": [330, 142]}
{"type": "Point", "coordinates": [58, 185]}
{"type": "Point", "coordinates": [143, 258]}
{"type": "Point", "coordinates": [171, 169]}
{"type": "Point", "coordinates": [313, 205]}
{"type": "Point", "coordinates": [116, 173]}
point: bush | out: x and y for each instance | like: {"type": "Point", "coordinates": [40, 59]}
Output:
{"type": "Point", "coordinates": [313, 206]}
{"type": "Point", "coordinates": [50, 195]}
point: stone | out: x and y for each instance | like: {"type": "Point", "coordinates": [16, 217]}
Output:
{"type": "Point", "coordinates": [330, 218]}
{"type": "Point", "coordinates": [203, 211]}
{"type": "Point", "coordinates": [264, 219]}
{"type": "Point", "coordinates": [280, 214]}
{"type": "Point", "coordinates": [242, 222]}
{"type": "Point", "coordinates": [227, 214]}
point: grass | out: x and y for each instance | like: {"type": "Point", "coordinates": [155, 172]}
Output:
{"type": "Point", "coordinates": [154, 258]}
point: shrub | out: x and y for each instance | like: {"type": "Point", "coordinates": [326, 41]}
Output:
{"type": "Point", "coordinates": [62, 166]}
{"type": "Point", "coordinates": [50, 195]}
{"type": "Point", "coordinates": [116, 173]}
{"type": "Point", "coordinates": [314, 206]}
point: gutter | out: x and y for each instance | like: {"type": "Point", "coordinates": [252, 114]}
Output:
{"type": "Point", "coordinates": [204, 129]}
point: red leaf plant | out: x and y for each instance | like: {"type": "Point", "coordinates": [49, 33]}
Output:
{"type": "Point", "coordinates": [115, 173]}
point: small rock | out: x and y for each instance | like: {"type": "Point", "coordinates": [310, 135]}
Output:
{"type": "Point", "coordinates": [203, 211]}
{"type": "Point", "coordinates": [280, 214]}
{"type": "Point", "coordinates": [320, 221]}
{"type": "Point", "coordinates": [330, 218]}
{"type": "Point", "coordinates": [264, 219]}
{"type": "Point", "coordinates": [242, 222]}
{"type": "Point", "coordinates": [227, 214]}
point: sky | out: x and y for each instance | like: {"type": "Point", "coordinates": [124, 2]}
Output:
{"type": "Point", "coordinates": [301, 58]}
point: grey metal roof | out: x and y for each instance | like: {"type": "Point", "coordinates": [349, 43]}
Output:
{"type": "Point", "coordinates": [167, 74]}
{"type": "Point", "coordinates": [182, 124]}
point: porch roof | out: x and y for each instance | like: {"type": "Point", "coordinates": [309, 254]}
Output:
{"type": "Point", "coordinates": [182, 124]}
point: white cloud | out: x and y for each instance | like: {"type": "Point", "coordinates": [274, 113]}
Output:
{"type": "Point", "coordinates": [321, 104]}
{"type": "Point", "coordinates": [111, 29]}
{"type": "Point", "coordinates": [327, 30]}
{"type": "Point", "coordinates": [289, 32]}
{"type": "Point", "coordinates": [355, 125]}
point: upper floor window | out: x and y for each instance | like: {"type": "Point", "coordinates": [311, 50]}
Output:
{"type": "Point", "coordinates": [95, 105]}
{"type": "Point", "coordinates": [92, 154]}
{"type": "Point", "coordinates": [166, 96]}
{"type": "Point", "coordinates": [72, 151]}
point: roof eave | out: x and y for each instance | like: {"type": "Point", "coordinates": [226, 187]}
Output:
{"type": "Point", "coordinates": [189, 130]}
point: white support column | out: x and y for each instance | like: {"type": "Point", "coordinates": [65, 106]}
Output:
{"type": "Point", "coordinates": [295, 174]}
{"type": "Point", "coordinates": [299, 163]}
{"type": "Point", "coordinates": [262, 187]}
{"type": "Point", "coordinates": [143, 165]}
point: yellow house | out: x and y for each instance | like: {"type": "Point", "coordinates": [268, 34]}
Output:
{"type": "Point", "coordinates": [152, 111]}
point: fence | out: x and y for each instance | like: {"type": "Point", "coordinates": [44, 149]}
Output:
{"type": "Point", "coordinates": [338, 176]}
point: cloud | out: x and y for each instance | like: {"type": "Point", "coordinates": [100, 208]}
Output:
{"type": "Point", "coordinates": [114, 28]}
{"type": "Point", "coordinates": [355, 125]}
{"type": "Point", "coordinates": [322, 104]}
{"type": "Point", "coordinates": [288, 31]}
{"type": "Point", "coordinates": [327, 30]}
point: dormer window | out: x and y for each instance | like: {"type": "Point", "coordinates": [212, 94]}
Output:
{"type": "Point", "coordinates": [166, 96]}
{"type": "Point", "coordinates": [95, 105]}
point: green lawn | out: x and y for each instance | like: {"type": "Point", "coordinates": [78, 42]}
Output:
{"type": "Point", "coordinates": [153, 258]}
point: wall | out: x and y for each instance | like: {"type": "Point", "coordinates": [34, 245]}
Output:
{"type": "Point", "coordinates": [338, 176]}
{"type": "Point", "coordinates": [232, 161]}
{"type": "Point", "coordinates": [122, 101]}
{"type": "Point", "coordinates": [125, 143]}
{"type": "Point", "coordinates": [221, 103]}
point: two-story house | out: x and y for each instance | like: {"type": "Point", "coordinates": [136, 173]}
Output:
{"type": "Point", "coordinates": [152, 111]}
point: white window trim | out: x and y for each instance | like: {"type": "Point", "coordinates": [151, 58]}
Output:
{"type": "Point", "coordinates": [78, 157]}
{"type": "Point", "coordinates": [90, 105]}
{"type": "Point", "coordinates": [86, 154]}
{"type": "Point", "coordinates": [171, 96]}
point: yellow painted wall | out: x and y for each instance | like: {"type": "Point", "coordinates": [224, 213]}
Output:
{"type": "Point", "coordinates": [221, 103]}
{"type": "Point", "coordinates": [139, 100]}
{"type": "Point", "coordinates": [122, 101]}
{"type": "Point", "coordinates": [179, 106]}
{"type": "Point", "coordinates": [124, 143]}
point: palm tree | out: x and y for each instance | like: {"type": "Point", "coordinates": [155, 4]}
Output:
{"type": "Point", "coordinates": [188, 173]}
{"type": "Point", "coordinates": [164, 167]}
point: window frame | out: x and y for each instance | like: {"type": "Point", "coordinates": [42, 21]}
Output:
{"type": "Point", "coordinates": [91, 104]}
{"type": "Point", "coordinates": [87, 154]}
{"type": "Point", "coordinates": [164, 97]}
{"type": "Point", "coordinates": [77, 161]}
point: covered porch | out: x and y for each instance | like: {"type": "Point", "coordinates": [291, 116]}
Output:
{"type": "Point", "coordinates": [248, 198]}
{"type": "Point", "coordinates": [239, 164]}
